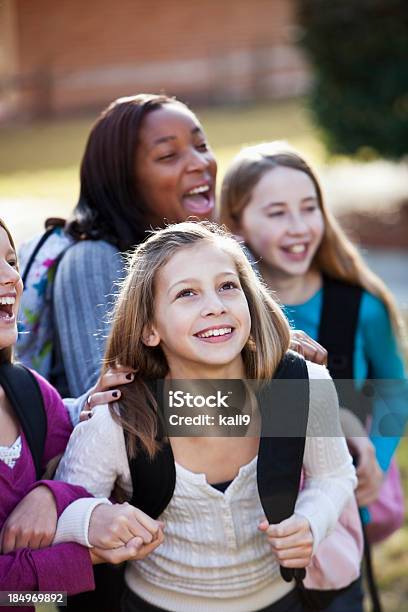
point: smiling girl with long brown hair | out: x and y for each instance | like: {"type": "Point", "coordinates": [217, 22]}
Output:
{"type": "Point", "coordinates": [192, 308]}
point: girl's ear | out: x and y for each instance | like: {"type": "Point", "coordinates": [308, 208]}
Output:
{"type": "Point", "coordinates": [150, 336]}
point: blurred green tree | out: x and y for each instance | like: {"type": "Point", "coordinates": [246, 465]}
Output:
{"type": "Point", "coordinates": [359, 50]}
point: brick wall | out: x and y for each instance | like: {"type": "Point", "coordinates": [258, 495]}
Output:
{"type": "Point", "coordinates": [82, 53]}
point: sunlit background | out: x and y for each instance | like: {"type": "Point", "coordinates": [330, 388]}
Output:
{"type": "Point", "coordinates": [329, 77]}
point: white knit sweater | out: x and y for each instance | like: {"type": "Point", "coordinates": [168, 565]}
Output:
{"type": "Point", "coordinates": [213, 556]}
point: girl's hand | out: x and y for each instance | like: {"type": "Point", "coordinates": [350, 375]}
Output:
{"type": "Point", "coordinates": [370, 475]}
{"type": "Point", "coordinates": [126, 552]}
{"type": "Point", "coordinates": [32, 523]}
{"type": "Point", "coordinates": [104, 391]}
{"type": "Point", "coordinates": [291, 541]}
{"type": "Point", "coordinates": [134, 549]}
{"type": "Point", "coordinates": [306, 346]}
{"type": "Point", "coordinates": [114, 526]}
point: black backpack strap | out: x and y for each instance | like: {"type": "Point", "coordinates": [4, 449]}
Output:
{"type": "Point", "coordinates": [24, 394]}
{"type": "Point", "coordinates": [337, 331]}
{"type": "Point", "coordinates": [338, 325]}
{"type": "Point", "coordinates": [154, 480]}
{"type": "Point", "coordinates": [57, 375]}
{"type": "Point", "coordinates": [284, 408]}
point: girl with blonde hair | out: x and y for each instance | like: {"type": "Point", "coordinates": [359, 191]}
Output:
{"type": "Point", "coordinates": [272, 198]}
{"type": "Point", "coordinates": [192, 310]}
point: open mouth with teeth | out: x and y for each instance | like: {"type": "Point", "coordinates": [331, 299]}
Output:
{"type": "Point", "coordinates": [6, 308]}
{"type": "Point", "coordinates": [296, 252]}
{"type": "Point", "coordinates": [199, 200]}
{"type": "Point", "coordinates": [215, 335]}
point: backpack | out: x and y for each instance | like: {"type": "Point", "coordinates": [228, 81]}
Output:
{"type": "Point", "coordinates": [24, 394]}
{"type": "Point", "coordinates": [279, 468]}
{"type": "Point", "coordinates": [39, 259]}
{"type": "Point", "coordinates": [338, 326]}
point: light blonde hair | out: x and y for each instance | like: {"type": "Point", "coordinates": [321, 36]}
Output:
{"type": "Point", "coordinates": [6, 354]}
{"type": "Point", "coordinates": [336, 256]}
{"type": "Point", "coordinates": [134, 312]}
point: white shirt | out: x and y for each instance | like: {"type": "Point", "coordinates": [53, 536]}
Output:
{"type": "Point", "coordinates": [213, 551]}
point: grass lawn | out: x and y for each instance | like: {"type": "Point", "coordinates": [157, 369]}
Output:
{"type": "Point", "coordinates": [39, 178]}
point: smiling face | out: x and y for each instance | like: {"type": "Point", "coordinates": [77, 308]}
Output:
{"type": "Point", "coordinates": [283, 222]}
{"type": "Point", "coordinates": [175, 167]}
{"type": "Point", "coordinates": [201, 318]}
{"type": "Point", "coordinates": [11, 288]}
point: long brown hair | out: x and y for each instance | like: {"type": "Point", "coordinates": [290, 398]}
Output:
{"type": "Point", "coordinates": [336, 256]}
{"type": "Point", "coordinates": [6, 354]}
{"type": "Point", "coordinates": [134, 312]}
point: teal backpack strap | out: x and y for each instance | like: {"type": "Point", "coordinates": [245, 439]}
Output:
{"type": "Point", "coordinates": [24, 394]}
